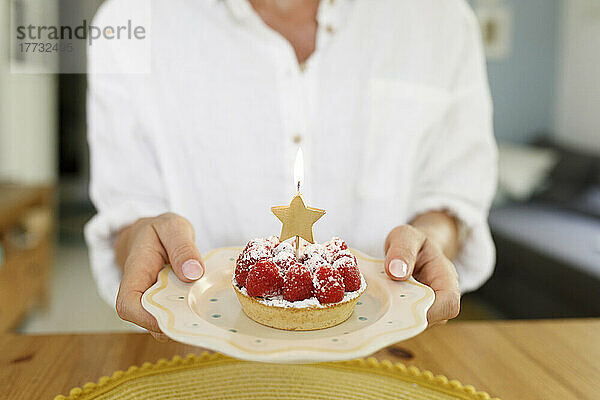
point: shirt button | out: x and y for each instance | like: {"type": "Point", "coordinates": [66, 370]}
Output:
{"type": "Point", "coordinates": [329, 29]}
{"type": "Point", "coordinates": [297, 139]}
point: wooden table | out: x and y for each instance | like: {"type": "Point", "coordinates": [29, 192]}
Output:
{"type": "Point", "coordinates": [550, 359]}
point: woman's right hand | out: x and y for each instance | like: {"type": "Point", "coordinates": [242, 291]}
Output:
{"type": "Point", "coordinates": [142, 249]}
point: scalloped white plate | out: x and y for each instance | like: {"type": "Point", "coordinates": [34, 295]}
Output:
{"type": "Point", "coordinates": [207, 314]}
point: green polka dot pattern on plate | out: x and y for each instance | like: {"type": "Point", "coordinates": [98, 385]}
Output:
{"type": "Point", "coordinates": [216, 315]}
{"type": "Point", "coordinates": [213, 300]}
{"type": "Point", "coordinates": [362, 318]}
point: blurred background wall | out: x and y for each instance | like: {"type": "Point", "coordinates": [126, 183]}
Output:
{"type": "Point", "coordinates": [548, 82]}
{"type": "Point", "coordinates": [523, 81]}
{"type": "Point", "coordinates": [28, 115]}
{"type": "Point", "coordinates": [577, 105]}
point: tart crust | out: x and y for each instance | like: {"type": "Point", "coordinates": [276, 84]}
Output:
{"type": "Point", "coordinates": [297, 319]}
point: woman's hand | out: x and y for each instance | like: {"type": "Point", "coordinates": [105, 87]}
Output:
{"type": "Point", "coordinates": [416, 251]}
{"type": "Point", "coordinates": [142, 249]}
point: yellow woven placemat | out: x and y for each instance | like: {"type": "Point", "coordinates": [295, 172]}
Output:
{"type": "Point", "coordinates": [214, 376]}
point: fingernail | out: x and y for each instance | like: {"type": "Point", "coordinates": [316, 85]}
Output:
{"type": "Point", "coordinates": [398, 268]}
{"type": "Point", "coordinates": [192, 269]}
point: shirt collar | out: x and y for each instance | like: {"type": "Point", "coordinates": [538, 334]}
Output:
{"type": "Point", "coordinates": [331, 13]}
{"type": "Point", "coordinates": [241, 10]}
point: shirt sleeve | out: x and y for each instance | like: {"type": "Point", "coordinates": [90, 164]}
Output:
{"type": "Point", "coordinates": [457, 169]}
{"type": "Point", "coordinates": [125, 181]}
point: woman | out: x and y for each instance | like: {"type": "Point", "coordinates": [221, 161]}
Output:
{"type": "Point", "coordinates": [388, 99]}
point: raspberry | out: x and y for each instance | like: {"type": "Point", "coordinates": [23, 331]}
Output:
{"type": "Point", "coordinates": [349, 257]}
{"type": "Point", "coordinates": [246, 260]}
{"type": "Point", "coordinates": [328, 284]}
{"type": "Point", "coordinates": [241, 273]}
{"type": "Point", "coordinates": [348, 269]}
{"type": "Point", "coordinates": [336, 243]}
{"type": "Point", "coordinates": [284, 260]}
{"type": "Point", "coordinates": [272, 241]}
{"type": "Point", "coordinates": [344, 253]}
{"type": "Point", "coordinates": [256, 242]}
{"type": "Point", "coordinates": [334, 246]}
{"type": "Point", "coordinates": [264, 279]}
{"type": "Point", "coordinates": [312, 250]}
{"type": "Point", "coordinates": [315, 262]}
{"type": "Point", "coordinates": [283, 247]}
{"type": "Point", "coordinates": [298, 283]}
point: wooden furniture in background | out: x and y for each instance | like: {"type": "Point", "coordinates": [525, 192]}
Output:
{"type": "Point", "coordinates": [548, 359]}
{"type": "Point", "coordinates": [26, 236]}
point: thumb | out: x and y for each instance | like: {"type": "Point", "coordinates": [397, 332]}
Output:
{"type": "Point", "coordinates": [402, 248]}
{"type": "Point", "coordinates": [177, 237]}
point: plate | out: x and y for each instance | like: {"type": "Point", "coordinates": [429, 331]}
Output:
{"type": "Point", "coordinates": [207, 314]}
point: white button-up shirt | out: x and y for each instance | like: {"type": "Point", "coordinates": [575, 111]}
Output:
{"type": "Point", "coordinates": [392, 111]}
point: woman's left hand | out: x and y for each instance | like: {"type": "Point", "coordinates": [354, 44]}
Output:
{"type": "Point", "coordinates": [410, 252]}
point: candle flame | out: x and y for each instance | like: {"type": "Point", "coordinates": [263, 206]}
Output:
{"type": "Point", "coordinates": [299, 169]}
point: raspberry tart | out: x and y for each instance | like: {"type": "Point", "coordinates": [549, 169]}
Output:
{"type": "Point", "coordinates": [316, 290]}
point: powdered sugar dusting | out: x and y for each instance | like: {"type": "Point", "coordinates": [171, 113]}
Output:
{"type": "Point", "coordinates": [283, 247]}
{"type": "Point", "coordinates": [283, 255]}
{"type": "Point", "coordinates": [256, 252]}
{"type": "Point", "coordinates": [315, 262]}
{"type": "Point", "coordinates": [273, 241]}
{"type": "Point", "coordinates": [342, 260]}
{"type": "Point", "coordinates": [313, 250]}
{"type": "Point", "coordinates": [284, 260]}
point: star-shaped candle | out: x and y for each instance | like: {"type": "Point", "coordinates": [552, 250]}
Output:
{"type": "Point", "coordinates": [297, 218]}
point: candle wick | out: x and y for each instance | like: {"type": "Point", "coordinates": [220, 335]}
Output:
{"type": "Point", "coordinates": [298, 186]}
